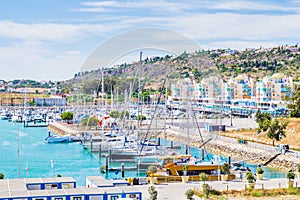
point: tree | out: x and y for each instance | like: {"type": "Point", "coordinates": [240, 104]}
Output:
{"type": "Point", "coordinates": [67, 116]}
{"type": "Point", "coordinates": [1, 176]}
{"type": "Point", "coordinates": [263, 120]}
{"type": "Point", "coordinates": [114, 113]}
{"type": "Point", "coordinates": [276, 129]}
{"type": "Point", "coordinates": [143, 117]}
{"type": "Point", "coordinates": [294, 106]}
{"type": "Point", "coordinates": [273, 128]}
{"type": "Point", "coordinates": [90, 86]}
{"type": "Point", "coordinates": [91, 121]}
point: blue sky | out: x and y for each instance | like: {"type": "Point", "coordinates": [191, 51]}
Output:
{"type": "Point", "coordinates": [51, 39]}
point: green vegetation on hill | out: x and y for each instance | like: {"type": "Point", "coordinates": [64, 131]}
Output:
{"type": "Point", "coordinates": [256, 63]}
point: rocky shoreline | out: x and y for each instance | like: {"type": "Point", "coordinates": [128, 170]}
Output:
{"type": "Point", "coordinates": [240, 152]}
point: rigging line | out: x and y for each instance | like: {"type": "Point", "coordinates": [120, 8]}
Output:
{"type": "Point", "coordinates": [199, 131]}
{"type": "Point", "coordinates": [152, 117]}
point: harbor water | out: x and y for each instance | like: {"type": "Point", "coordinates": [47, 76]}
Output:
{"type": "Point", "coordinates": [40, 159]}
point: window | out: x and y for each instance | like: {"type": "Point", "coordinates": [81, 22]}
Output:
{"type": "Point", "coordinates": [67, 185]}
{"type": "Point", "coordinates": [58, 198]}
{"type": "Point", "coordinates": [51, 186]}
{"type": "Point", "coordinates": [114, 197]}
{"type": "Point", "coordinates": [76, 198]}
{"type": "Point", "coordinates": [96, 197]}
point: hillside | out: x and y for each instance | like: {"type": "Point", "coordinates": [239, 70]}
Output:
{"type": "Point", "coordinates": [256, 63]}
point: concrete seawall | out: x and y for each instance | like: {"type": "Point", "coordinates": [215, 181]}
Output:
{"type": "Point", "coordinates": [240, 152]}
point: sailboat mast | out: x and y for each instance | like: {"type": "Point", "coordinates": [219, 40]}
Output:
{"type": "Point", "coordinates": [166, 112]}
{"type": "Point", "coordinates": [102, 90]}
{"type": "Point", "coordinates": [112, 98]}
{"type": "Point", "coordinates": [139, 95]}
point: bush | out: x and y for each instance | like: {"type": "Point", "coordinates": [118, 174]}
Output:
{"type": "Point", "coordinates": [290, 175]}
{"type": "Point", "coordinates": [91, 121]}
{"type": "Point", "coordinates": [259, 170]}
{"type": "Point", "coordinates": [185, 167]}
{"type": "Point", "coordinates": [203, 177]}
{"type": "Point", "coordinates": [250, 177]}
{"type": "Point", "coordinates": [139, 117]}
{"type": "Point", "coordinates": [1, 176]}
{"type": "Point", "coordinates": [67, 116]}
{"type": "Point", "coordinates": [152, 193]}
{"type": "Point", "coordinates": [189, 194]}
{"type": "Point", "coordinates": [225, 168]}
{"type": "Point", "coordinates": [102, 169]}
{"type": "Point", "coordinates": [152, 169]}
{"type": "Point", "coordinates": [258, 193]}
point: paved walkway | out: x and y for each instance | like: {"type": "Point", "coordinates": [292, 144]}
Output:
{"type": "Point", "coordinates": [175, 191]}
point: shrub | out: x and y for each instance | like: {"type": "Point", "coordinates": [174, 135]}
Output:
{"type": "Point", "coordinates": [102, 169]}
{"type": "Point", "coordinates": [259, 170]}
{"type": "Point", "coordinates": [1, 176]}
{"type": "Point", "coordinates": [258, 193]}
{"type": "Point", "coordinates": [250, 177]}
{"type": "Point", "coordinates": [185, 167]}
{"type": "Point", "coordinates": [225, 168]}
{"type": "Point", "coordinates": [290, 175]}
{"type": "Point", "coordinates": [67, 116]}
{"type": "Point", "coordinates": [91, 121]}
{"type": "Point", "coordinates": [189, 194]}
{"type": "Point", "coordinates": [152, 169]}
{"type": "Point", "coordinates": [152, 193]}
{"type": "Point", "coordinates": [203, 177]}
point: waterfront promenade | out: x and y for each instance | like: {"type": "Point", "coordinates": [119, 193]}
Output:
{"type": "Point", "coordinates": [175, 191]}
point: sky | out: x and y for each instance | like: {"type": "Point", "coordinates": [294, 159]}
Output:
{"type": "Point", "coordinates": [52, 39]}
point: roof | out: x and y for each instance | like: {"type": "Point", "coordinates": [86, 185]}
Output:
{"type": "Point", "coordinates": [16, 188]}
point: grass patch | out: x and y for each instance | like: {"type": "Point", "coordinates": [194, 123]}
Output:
{"type": "Point", "coordinates": [258, 193]}
{"type": "Point", "coordinates": [251, 192]}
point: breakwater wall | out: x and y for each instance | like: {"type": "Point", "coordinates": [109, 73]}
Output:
{"type": "Point", "coordinates": [239, 152]}
{"type": "Point", "coordinates": [62, 129]}
{"type": "Point", "coordinates": [259, 154]}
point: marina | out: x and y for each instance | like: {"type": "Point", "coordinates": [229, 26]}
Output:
{"type": "Point", "coordinates": [51, 158]}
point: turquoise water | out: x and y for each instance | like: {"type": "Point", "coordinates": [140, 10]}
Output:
{"type": "Point", "coordinates": [69, 159]}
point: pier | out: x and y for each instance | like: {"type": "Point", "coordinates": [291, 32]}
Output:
{"type": "Point", "coordinates": [214, 143]}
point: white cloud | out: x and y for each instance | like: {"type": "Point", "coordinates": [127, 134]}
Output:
{"type": "Point", "coordinates": [239, 26]}
{"type": "Point", "coordinates": [246, 5]}
{"type": "Point", "coordinates": [241, 45]}
{"type": "Point", "coordinates": [37, 63]}
{"type": "Point", "coordinates": [56, 49]}
{"type": "Point", "coordinates": [104, 6]}
{"type": "Point", "coordinates": [61, 33]}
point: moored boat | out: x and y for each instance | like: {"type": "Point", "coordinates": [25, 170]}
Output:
{"type": "Point", "coordinates": [174, 167]}
{"type": "Point", "coordinates": [58, 139]}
